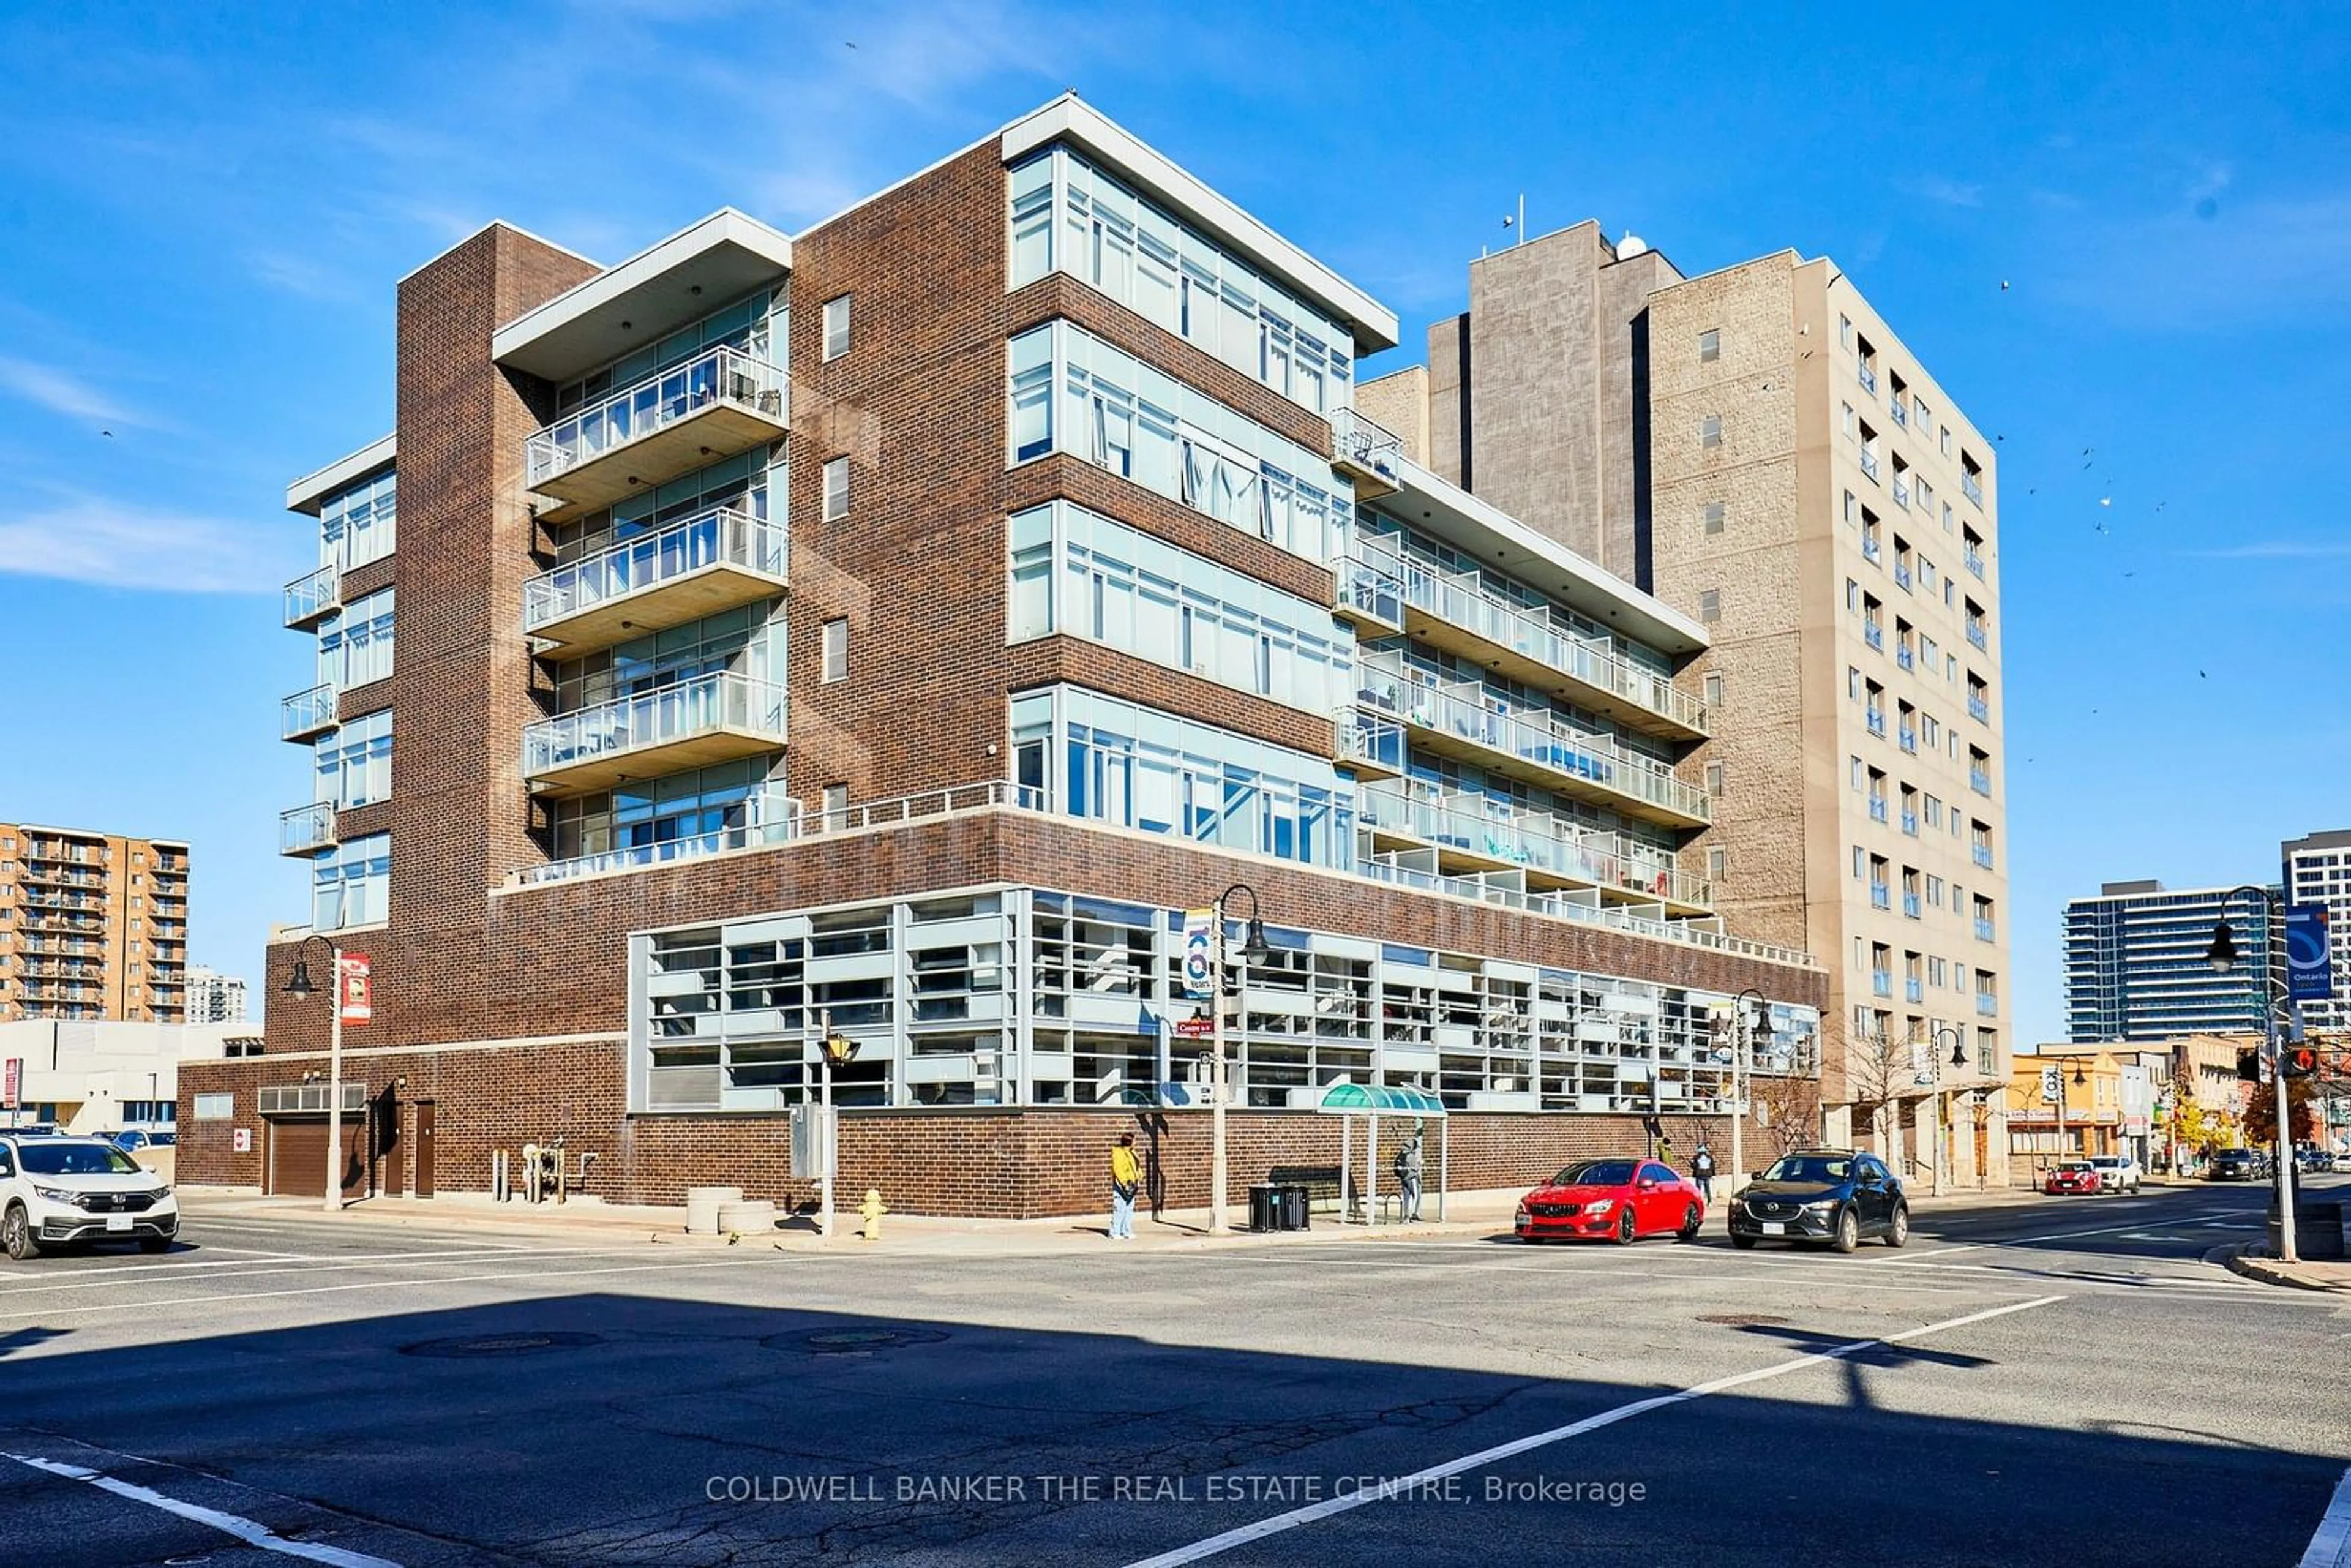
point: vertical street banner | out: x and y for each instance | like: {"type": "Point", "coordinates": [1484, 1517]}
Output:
{"type": "Point", "coordinates": [1199, 954]}
{"type": "Point", "coordinates": [2309, 970]}
{"type": "Point", "coordinates": [354, 991]}
{"type": "Point", "coordinates": [11, 1082]}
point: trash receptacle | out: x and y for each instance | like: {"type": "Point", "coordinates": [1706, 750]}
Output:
{"type": "Point", "coordinates": [1293, 1207]}
{"type": "Point", "coordinates": [2317, 1231]}
{"type": "Point", "coordinates": [1265, 1206]}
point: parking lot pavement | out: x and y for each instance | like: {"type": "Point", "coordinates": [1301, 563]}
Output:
{"type": "Point", "coordinates": [418, 1396]}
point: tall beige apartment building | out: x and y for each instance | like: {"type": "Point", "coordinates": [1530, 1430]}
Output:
{"type": "Point", "coordinates": [92, 925]}
{"type": "Point", "coordinates": [1758, 449]}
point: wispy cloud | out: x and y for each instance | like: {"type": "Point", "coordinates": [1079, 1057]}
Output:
{"type": "Point", "coordinates": [50, 388]}
{"type": "Point", "coordinates": [2276, 550]}
{"type": "Point", "coordinates": [114, 545]}
{"type": "Point", "coordinates": [2266, 258]}
{"type": "Point", "coordinates": [1945, 191]}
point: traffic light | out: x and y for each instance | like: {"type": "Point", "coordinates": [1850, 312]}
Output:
{"type": "Point", "coordinates": [2249, 1065]}
{"type": "Point", "coordinates": [2300, 1062]}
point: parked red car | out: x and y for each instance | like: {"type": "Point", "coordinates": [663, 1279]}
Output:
{"type": "Point", "coordinates": [1621, 1199]}
{"type": "Point", "coordinates": [2073, 1176]}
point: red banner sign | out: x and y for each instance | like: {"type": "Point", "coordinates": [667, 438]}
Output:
{"type": "Point", "coordinates": [12, 1081]}
{"type": "Point", "coordinates": [354, 990]}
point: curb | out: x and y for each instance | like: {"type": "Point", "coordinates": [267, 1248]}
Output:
{"type": "Point", "coordinates": [2238, 1259]}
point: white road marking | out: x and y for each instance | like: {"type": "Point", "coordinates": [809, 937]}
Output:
{"type": "Point", "coordinates": [1503, 1266]}
{"type": "Point", "coordinates": [421, 1284]}
{"type": "Point", "coordinates": [1406, 1486]}
{"type": "Point", "coordinates": [244, 1530]}
{"type": "Point", "coordinates": [2331, 1547]}
{"type": "Point", "coordinates": [162, 1273]}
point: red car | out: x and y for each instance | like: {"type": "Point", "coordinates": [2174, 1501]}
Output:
{"type": "Point", "coordinates": [2074, 1175]}
{"type": "Point", "coordinates": [1622, 1199]}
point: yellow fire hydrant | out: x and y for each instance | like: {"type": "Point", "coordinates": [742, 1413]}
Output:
{"type": "Point", "coordinates": [872, 1209]}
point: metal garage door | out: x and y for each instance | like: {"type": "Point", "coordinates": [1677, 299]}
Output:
{"type": "Point", "coordinates": [297, 1157]}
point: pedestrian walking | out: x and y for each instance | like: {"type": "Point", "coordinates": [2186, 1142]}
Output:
{"type": "Point", "coordinates": [1408, 1171]}
{"type": "Point", "coordinates": [1125, 1180]}
{"type": "Point", "coordinates": [1702, 1170]}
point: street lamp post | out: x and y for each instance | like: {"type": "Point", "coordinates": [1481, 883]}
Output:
{"type": "Point", "coordinates": [1942, 1096]}
{"type": "Point", "coordinates": [832, 1049]}
{"type": "Point", "coordinates": [299, 986]}
{"type": "Point", "coordinates": [2222, 956]}
{"type": "Point", "coordinates": [2079, 1078]}
{"type": "Point", "coordinates": [1253, 948]}
{"type": "Point", "coordinates": [1742, 1070]}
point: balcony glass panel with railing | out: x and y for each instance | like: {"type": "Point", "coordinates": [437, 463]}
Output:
{"type": "Point", "coordinates": [1901, 492]}
{"type": "Point", "coordinates": [1910, 822]}
{"type": "Point", "coordinates": [1976, 634]}
{"type": "Point", "coordinates": [307, 713]}
{"type": "Point", "coordinates": [1914, 989]}
{"type": "Point", "coordinates": [1881, 895]}
{"type": "Point", "coordinates": [1982, 854]}
{"type": "Point", "coordinates": [1987, 1004]}
{"type": "Point", "coordinates": [1979, 710]}
{"type": "Point", "coordinates": [1913, 905]}
{"type": "Point", "coordinates": [1881, 982]}
{"type": "Point", "coordinates": [635, 567]}
{"type": "Point", "coordinates": [1876, 719]}
{"type": "Point", "coordinates": [1866, 376]}
{"type": "Point", "coordinates": [1877, 807]}
{"type": "Point", "coordinates": [1973, 561]}
{"type": "Point", "coordinates": [719, 379]}
{"type": "Point", "coordinates": [1984, 931]}
{"type": "Point", "coordinates": [1874, 634]}
{"type": "Point", "coordinates": [729, 715]}
{"type": "Point", "coordinates": [1971, 487]}
{"type": "Point", "coordinates": [307, 828]}
{"type": "Point", "coordinates": [1468, 825]}
{"type": "Point", "coordinates": [1979, 781]}
{"type": "Point", "coordinates": [309, 597]}
{"type": "Point", "coordinates": [1869, 462]}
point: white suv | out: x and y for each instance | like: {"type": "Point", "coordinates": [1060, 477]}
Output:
{"type": "Point", "coordinates": [2117, 1173]}
{"type": "Point", "coordinates": [56, 1192]}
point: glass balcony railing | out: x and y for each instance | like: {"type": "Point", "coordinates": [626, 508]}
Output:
{"type": "Point", "coordinates": [1866, 376]}
{"type": "Point", "coordinates": [713, 709]}
{"type": "Point", "coordinates": [1871, 550]}
{"type": "Point", "coordinates": [1904, 657]}
{"type": "Point", "coordinates": [634, 569]}
{"type": "Point", "coordinates": [308, 714]}
{"type": "Point", "coordinates": [1987, 1004]}
{"type": "Point", "coordinates": [1975, 634]}
{"type": "Point", "coordinates": [1914, 906]}
{"type": "Point", "coordinates": [1970, 486]}
{"type": "Point", "coordinates": [1910, 822]}
{"type": "Point", "coordinates": [1984, 932]}
{"type": "Point", "coordinates": [717, 379]}
{"type": "Point", "coordinates": [1901, 574]}
{"type": "Point", "coordinates": [1877, 807]}
{"type": "Point", "coordinates": [1978, 710]}
{"type": "Point", "coordinates": [308, 599]}
{"type": "Point", "coordinates": [1874, 634]}
{"type": "Point", "coordinates": [1366, 450]}
{"type": "Point", "coordinates": [306, 828]}
{"type": "Point", "coordinates": [1466, 823]}
{"type": "Point", "coordinates": [1876, 717]}
{"type": "Point", "coordinates": [1462, 713]}
{"type": "Point", "coordinates": [1881, 982]}
{"type": "Point", "coordinates": [1908, 739]}
{"type": "Point", "coordinates": [1973, 561]}
{"type": "Point", "coordinates": [1900, 415]}
{"type": "Point", "coordinates": [1881, 895]}
{"type": "Point", "coordinates": [1914, 989]}
{"type": "Point", "coordinates": [1979, 781]}
{"type": "Point", "coordinates": [1869, 462]}
{"type": "Point", "coordinates": [1901, 488]}
{"type": "Point", "coordinates": [1982, 854]}
{"type": "Point", "coordinates": [1380, 583]}
{"type": "Point", "coordinates": [1369, 743]}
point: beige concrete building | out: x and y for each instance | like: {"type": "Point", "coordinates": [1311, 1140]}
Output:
{"type": "Point", "coordinates": [1757, 448]}
{"type": "Point", "coordinates": [92, 925]}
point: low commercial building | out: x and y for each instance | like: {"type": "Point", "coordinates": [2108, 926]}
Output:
{"type": "Point", "coordinates": [2068, 1105]}
{"type": "Point", "coordinates": [106, 1077]}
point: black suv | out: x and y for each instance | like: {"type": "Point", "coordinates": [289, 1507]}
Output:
{"type": "Point", "coordinates": [1835, 1195]}
{"type": "Point", "coordinates": [2232, 1165]}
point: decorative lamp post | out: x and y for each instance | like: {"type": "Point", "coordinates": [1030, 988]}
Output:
{"type": "Point", "coordinates": [2223, 955]}
{"type": "Point", "coordinates": [835, 1049]}
{"type": "Point", "coordinates": [299, 986]}
{"type": "Point", "coordinates": [1942, 1097]}
{"type": "Point", "coordinates": [1253, 950]}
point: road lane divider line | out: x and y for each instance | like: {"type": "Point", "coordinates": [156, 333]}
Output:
{"type": "Point", "coordinates": [1408, 1486]}
{"type": "Point", "coordinates": [244, 1530]}
{"type": "Point", "coordinates": [426, 1282]}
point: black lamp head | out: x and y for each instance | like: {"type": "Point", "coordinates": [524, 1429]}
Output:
{"type": "Point", "coordinates": [1254, 949]}
{"type": "Point", "coordinates": [2223, 954]}
{"type": "Point", "coordinates": [297, 985]}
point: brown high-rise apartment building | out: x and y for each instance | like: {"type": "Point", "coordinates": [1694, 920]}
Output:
{"type": "Point", "coordinates": [92, 925]}
{"type": "Point", "coordinates": [886, 633]}
{"type": "Point", "coordinates": [1758, 449]}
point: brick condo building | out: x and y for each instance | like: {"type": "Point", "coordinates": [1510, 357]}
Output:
{"type": "Point", "coordinates": [900, 625]}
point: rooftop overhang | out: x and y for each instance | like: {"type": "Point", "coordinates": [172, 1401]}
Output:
{"type": "Point", "coordinates": [309, 493]}
{"type": "Point", "coordinates": [622, 308]}
{"type": "Point", "coordinates": [1070, 118]}
{"type": "Point", "coordinates": [1489, 535]}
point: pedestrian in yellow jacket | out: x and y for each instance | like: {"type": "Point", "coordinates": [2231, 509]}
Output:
{"type": "Point", "coordinates": [1125, 1180]}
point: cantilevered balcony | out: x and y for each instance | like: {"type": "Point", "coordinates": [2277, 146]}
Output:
{"type": "Point", "coordinates": [683, 572]}
{"type": "Point", "coordinates": [718, 404]}
{"type": "Point", "coordinates": [1468, 837]}
{"type": "Point", "coordinates": [1454, 611]}
{"type": "Point", "coordinates": [307, 829]}
{"type": "Point", "coordinates": [698, 723]}
{"type": "Point", "coordinates": [306, 716]}
{"type": "Point", "coordinates": [310, 600]}
{"type": "Point", "coordinates": [1369, 741]}
{"type": "Point", "coordinates": [1366, 451]}
{"type": "Point", "coordinates": [1460, 720]}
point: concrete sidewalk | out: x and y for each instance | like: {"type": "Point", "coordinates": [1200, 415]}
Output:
{"type": "Point", "coordinates": [2301, 1276]}
{"type": "Point", "coordinates": [1468, 1215]}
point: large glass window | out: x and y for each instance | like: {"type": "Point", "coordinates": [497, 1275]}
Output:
{"type": "Point", "coordinates": [358, 525]}
{"type": "Point", "coordinates": [1070, 216]}
{"type": "Point", "coordinates": [1076, 573]}
{"type": "Point", "coordinates": [355, 641]}
{"type": "Point", "coordinates": [756, 324]}
{"type": "Point", "coordinates": [715, 803]}
{"type": "Point", "coordinates": [747, 640]}
{"type": "Point", "coordinates": [351, 884]}
{"type": "Point", "coordinates": [355, 761]}
{"type": "Point", "coordinates": [1071, 392]}
{"type": "Point", "coordinates": [1136, 766]}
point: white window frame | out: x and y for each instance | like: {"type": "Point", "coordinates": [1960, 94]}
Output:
{"type": "Point", "coordinates": [836, 489]}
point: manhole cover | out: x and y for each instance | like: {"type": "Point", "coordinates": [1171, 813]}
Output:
{"type": "Point", "coordinates": [527, 1342]}
{"type": "Point", "coordinates": [1740, 1319]}
{"type": "Point", "coordinates": [849, 1341]}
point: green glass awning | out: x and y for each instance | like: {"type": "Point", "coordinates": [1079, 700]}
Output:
{"type": "Point", "coordinates": [1369, 1099]}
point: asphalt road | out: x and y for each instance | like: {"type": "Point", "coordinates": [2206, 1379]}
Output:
{"type": "Point", "coordinates": [2057, 1380]}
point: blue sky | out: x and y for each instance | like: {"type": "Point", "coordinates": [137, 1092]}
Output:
{"type": "Point", "coordinates": [204, 209]}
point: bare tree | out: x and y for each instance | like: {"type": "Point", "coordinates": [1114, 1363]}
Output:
{"type": "Point", "coordinates": [1876, 1070]}
{"type": "Point", "coordinates": [1788, 1110]}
